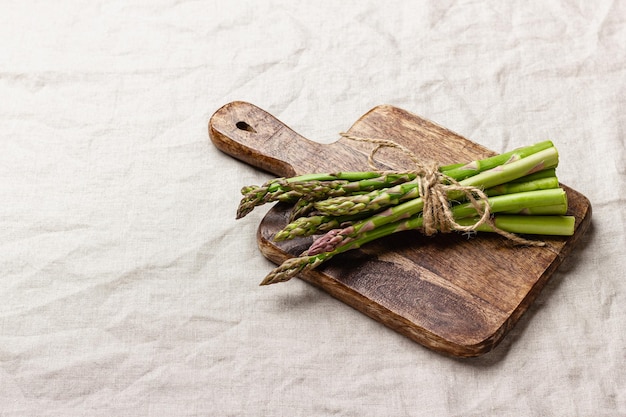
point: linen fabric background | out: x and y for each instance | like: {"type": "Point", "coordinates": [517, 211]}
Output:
{"type": "Point", "coordinates": [127, 287]}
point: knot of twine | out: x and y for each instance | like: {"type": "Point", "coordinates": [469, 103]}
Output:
{"type": "Point", "coordinates": [434, 188]}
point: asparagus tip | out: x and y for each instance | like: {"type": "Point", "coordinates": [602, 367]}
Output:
{"type": "Point", "coordinates": [292, 267]}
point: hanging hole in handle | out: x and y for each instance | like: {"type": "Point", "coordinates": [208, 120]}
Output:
{"type": "Point", "coordinates": [245, 126]}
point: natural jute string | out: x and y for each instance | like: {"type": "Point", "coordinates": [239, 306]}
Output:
{"type": "Point", "coordinates": [434, 187]}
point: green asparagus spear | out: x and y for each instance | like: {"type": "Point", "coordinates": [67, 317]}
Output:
{"type": "Point", "coordinates": [546, 225]}
{"type": "Point", "coordinates": [561, 225]}
{"type": "Point", "coordinates": [317, 186]}
{"type": "Point", "coordinates": [547, 158]}
{"type": "Point", "coordinates": [280, 189]}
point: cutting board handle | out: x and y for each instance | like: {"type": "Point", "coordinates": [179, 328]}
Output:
{"type": "Point", "coordinates": [254, 136]}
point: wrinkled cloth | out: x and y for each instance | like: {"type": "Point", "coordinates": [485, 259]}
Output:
{"type": "Point", "coordinates": [128, 288]}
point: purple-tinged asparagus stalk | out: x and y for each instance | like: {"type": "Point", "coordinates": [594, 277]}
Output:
{"type": "Point", "coordinates": [545, 159]}
{"type": "Point", "coordinates": [334, 244]}
{"type": "Point", "coordinates": [331, 218]}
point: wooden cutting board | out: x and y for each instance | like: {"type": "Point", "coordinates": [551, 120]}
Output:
{"type": "Point", "coordinates": [451, 294]}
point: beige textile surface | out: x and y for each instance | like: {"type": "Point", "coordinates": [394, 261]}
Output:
{"type": "Point", "coordinates": [128, 289]}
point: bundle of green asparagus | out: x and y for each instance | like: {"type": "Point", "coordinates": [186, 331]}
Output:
{"type": "Point", "coordinates": [512, 193]}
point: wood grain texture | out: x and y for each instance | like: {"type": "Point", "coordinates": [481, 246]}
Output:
{"type": "Point", "coordinates": [453, 295]}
